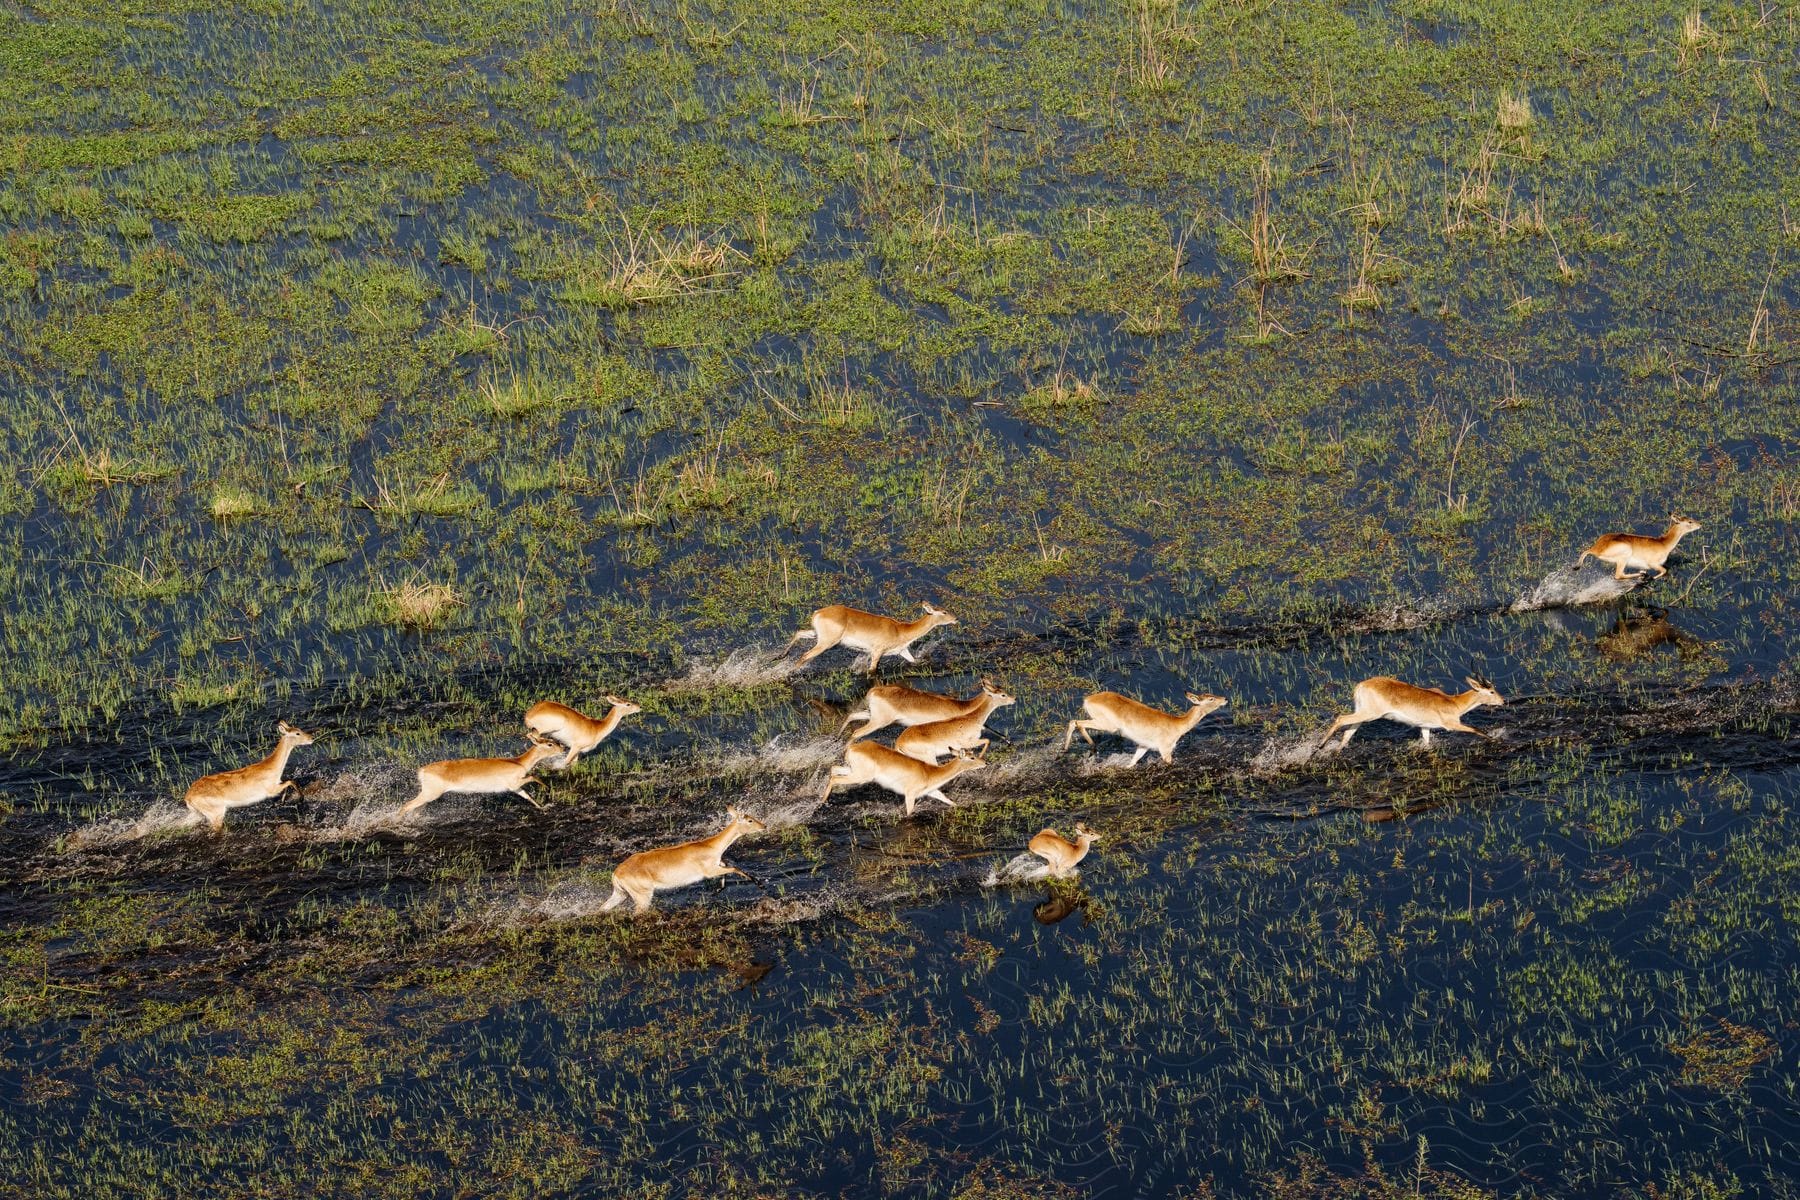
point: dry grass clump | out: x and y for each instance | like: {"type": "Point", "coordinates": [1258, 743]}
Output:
{"type": "Point", "coordinates": [1513, 110]}
{"type": "Point", "coordinates": [1697, 37]}
{"type": "Point", "coordinates": [642, 267]}
{"type": "Point", "coordinates": [518, 396]}
{"type": "Point", "coordinates": [1271, 259]}
{"type": "Point", "coordinates": [230, 502]}
{"type": "Point", "coordinates": [417, 604]}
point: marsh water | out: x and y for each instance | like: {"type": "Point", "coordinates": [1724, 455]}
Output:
{"type": "Point", "coordinates": [386, 369]}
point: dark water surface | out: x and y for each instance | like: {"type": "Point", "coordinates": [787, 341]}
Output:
{"type": "Point", "coordinates": [1252, 349]}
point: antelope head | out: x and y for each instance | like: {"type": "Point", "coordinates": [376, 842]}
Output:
{"type": "Point", "coordinates": [1484, 691]}
{"type": "Point", "coordinates": [623, 707]}
{"type": "Point", "coordinates": [744, 822]}
{"type": "Point", "coordinates": [1082, 831]}
{"type": "Point", "coordinates": [1205, 702]}
{"type": "Point", "coordinates": [967, 760]}
{"type": "Point", "coordinates": [995, 697]}
{"type": "Point", "coordinates": [540, 749]}
{"type": "Point", "coordinates": [1682, 525]}
{"type": "Point", "coordinates": [298, 737]}
{"type": "Point", "coordinates": [937, 616]}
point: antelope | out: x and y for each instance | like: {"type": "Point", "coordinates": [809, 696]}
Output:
{"type": "Point", "coordinates": [482, 776]}
{"type": "Point", "coordinates": [1645, 554]}
{"type": "Point", "coordinates": [875, 635]}
{"type": "Point", "coordinates": [888, 704]}
{"type": "Point", "coordinates": [871, 762]}
{"type": "Point", "coordinates": [573, 729]}
{"type": "Point", "coordinates": [1427, 708]}
{"type": "Point", "coordinates": [211, 796]}
{"type": "Point", "coordinates": [639, 876]}
{"type": "Point", "coordinates": [1150, 728]}
{"type": "Point", "coordinates": [934, 739]}
{"type": "Point", "coordinates": [1060, 852]}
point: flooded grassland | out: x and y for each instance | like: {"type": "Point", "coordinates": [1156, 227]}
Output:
{"type": "Point", "coordinates": [388, 368]}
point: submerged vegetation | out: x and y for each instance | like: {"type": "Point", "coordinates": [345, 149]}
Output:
{"type": "Point", "coordinates": [392, 368]}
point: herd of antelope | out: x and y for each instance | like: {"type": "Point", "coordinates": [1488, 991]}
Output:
{"type": "Point", "coordinates": [941, 737]}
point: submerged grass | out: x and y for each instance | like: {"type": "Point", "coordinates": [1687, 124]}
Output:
{"type": "Point", "coordinates": [431, 360]}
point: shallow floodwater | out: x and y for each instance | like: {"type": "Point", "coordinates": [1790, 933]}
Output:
{"type": "Point", "coordinates": [387, 368]}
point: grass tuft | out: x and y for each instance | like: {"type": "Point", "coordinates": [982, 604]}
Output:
{"type": "Point", "coordinates": [417, 604]}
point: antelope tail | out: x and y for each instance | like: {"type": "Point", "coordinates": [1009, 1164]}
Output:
{"type": "Point", "coordinates": [799, 637]}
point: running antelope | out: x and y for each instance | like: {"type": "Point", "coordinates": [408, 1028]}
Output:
{"type": "Point", "coordinates": [643, 874]}
{"type": "Point", "coordinates": [573, 729]}
{"type": "Point", "coordinates": [1643, 554]}
{"type": "Point", "coordinates": [934, 739]}
{"type": "Point", "coordinates": [1060, 852]}
{"type": "Point", "coordinates": [482, 776]}
{"type": "Point", "coordinates": [211, 796]}
{"type": "Point", "coordinates": [1150, 728]}
{"type": "Point", "coordinates": [1426, 708]}
{"type": "Point", "coordinates": [871, 762]}
{"type": "Point", "coordinates": [874, 635]}
{"type": "Point", "coordinates": [891, 703]}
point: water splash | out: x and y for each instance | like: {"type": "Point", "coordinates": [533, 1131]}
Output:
{"type": "Point", "coordinates": [1570, 586]}
{"type": "Point", "coordinates": [1281, 753]}
{"type": "Point", "coordinates": [1028, 765]}
{"type": "Point", "coordinates": [570, 900]}
{"type": "Point", "coordinates": [373, 794]}
{"type": "Point", "coordinates": [787, 816]}
{"type": "Point", "coordinates": [747, 667]}
{"type": "Point", "coordinates": [778, 756]}
{"type": "Point", "coordinates": [1021, 868]}
{"type": "Point", "coordinates": [1100, 764]}
{"type": "Point", "coordinates": [163, 818]}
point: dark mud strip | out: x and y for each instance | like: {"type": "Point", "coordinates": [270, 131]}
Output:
{"type": "Point", "coordinates": [320, 852]}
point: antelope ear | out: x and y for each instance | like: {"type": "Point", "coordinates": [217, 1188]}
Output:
{"type": "Point", "coordinates": [283, 727]}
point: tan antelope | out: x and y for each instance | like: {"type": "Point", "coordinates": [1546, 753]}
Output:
{"type": "Point", "coordinates": [892, 703]}
{"type": "Point", "coordinates": [1150, 728]}
{"type": "Point", "coordinates": [645, 873]}
{"type": "Point", "coordinates": [1060, 852]}
{"type": "Point", "coordinates": [211, 796]}
{"type": "Point", "coordinates": [934, 739]}
{"type": "Point", "coordinates": [482, 776]}
{"type": "Point", "coordinates": [874, 635]}
{"type": "Point", "coordinates": [574, 729]}
{"type": "Point", "coordinates": [871, 762]}
{"type": "Point", "coordinates": [1642, 554]}
{"type": "Point", "coordinates": [1427, 708]}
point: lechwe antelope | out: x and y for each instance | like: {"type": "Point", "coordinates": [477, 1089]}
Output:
{"type": "Point", "coordinates": [874, 635]}
{"type": "Point", "coordinates": [482, 776]}
{"type": "Point", "coordinates": [1426, 708]}
{"type": "Point", "coordinates": [1060, 852]}
{"type": "Point", "coordinates": [574, 729]}
{"type": "Point", "coordinates": [1641, 554]}
{"type": "Point", "coordinates": [871, 762]}
{"type": "Point", "coordinates": [211, 796]}
{"type": "Point", "coordinates": [643, 874]}
{"type": "Point", "coordinates": [934, 739]}
{"type": "Point", "coordinates": [892, 703]}
{"type": "Point", "coordinates": [1150, 728]}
